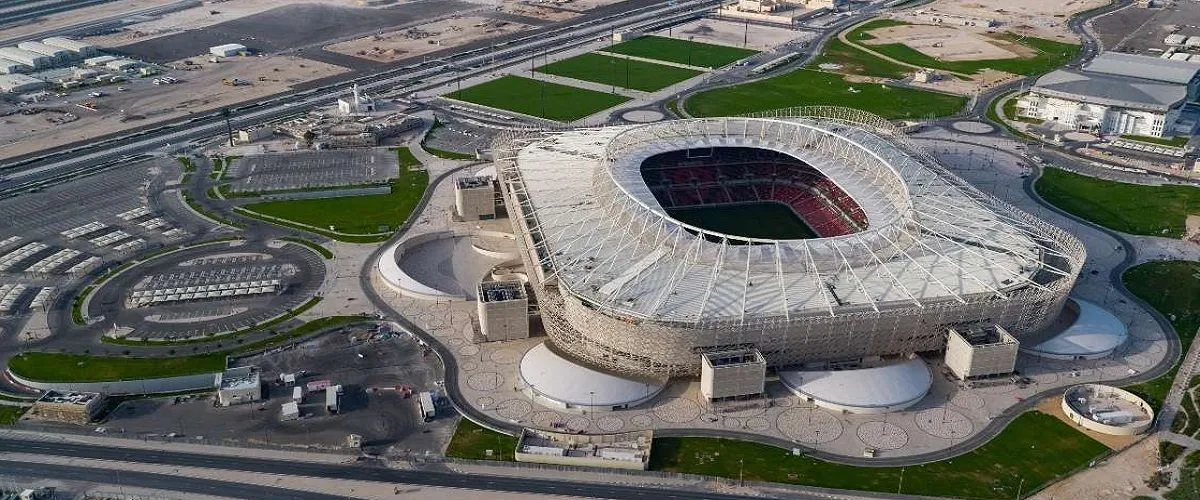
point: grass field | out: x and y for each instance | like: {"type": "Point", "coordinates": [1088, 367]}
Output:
{"type": "Point", "coordinates": [815, 88]}
{"type": "Point", "coordinates": [757, 220]}
{"type": "Point", "coordinates": [1050, 54]}
{"type": "Point", "coordinates": [661, 48]}
{"type": "Point", "coordinates": [994, 470]}
{"type": "Point", "coordinates": [59, 367]}
{"type": "Point", "coordinates": [1129, 208]}
{"type": "Point", "coordinates": [855, 61]}
{"type": "Point", "coordinates": [1177, 141]}
{"type": "Point", "coordinates": [1179, 302]}
{"type": "Point", "coordinates": [472, 441]}
{"type": "Point", "coordinates": [538, 98]}
{"type": "Point", "coordinates": [11, 414]}
{"type": "Point", "coordinates": [357, 214]}
{"type": "Point", "coordinates": [625, 73]}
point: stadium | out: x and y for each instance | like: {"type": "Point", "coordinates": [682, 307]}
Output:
{"type": "Point", "coordinates": [813, 235]}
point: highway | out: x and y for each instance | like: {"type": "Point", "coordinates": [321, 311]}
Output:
{"type": "Point", "coordinates": [425, 477]}
{"type": "Point", "coordinates": [29, 173]}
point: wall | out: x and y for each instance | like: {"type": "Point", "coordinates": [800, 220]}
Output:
{"type": "Point", "coordinates": [146, 386]}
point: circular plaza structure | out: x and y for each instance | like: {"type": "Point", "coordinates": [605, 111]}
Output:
{"type": "Point", "coordinates": [866, 390]}
{"type": "Point", "coordinates": [817, 235]}
{"type": "Point", "coordinates": [1089, 332]}
{"type": "Point", "coordinates": [1107, 410]}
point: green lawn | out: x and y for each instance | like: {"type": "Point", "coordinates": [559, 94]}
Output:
{"type": "Point", "coordinates": [857, 62]}
{"type": "Point", "coordinates": [1010, 111]}
{"type": "Point", "coordinates": [356, 214]}
{"type": "Point", "coordinates": [805, 87]}
{"type": "Point", "coordinates": [472, 441]}
{"type": "Point", "coordinates": [625, 73]}
{"type": "Point", "coordinates": [1035, 447]}
{"type": "Point", "coordinates": [59, 367]}
{"type": "Point", "coordinates": [1049, 53]}
{"type": "Point", "coordinates": [756, 220]}
{"type": "Point", "coordinates": [11, 414]}
{"type": "Point", "coordinates": [538, 98]}
{"type": "Point", "coordinates": [1129, 208]}
{"type": "Point", "coordinates": [316, 247]}
{"type": "Point", "coordinates": [661, 48]}
{"type": "Point", "coordinates": [1177, 141]}
{"type": "Point", "coordinates": [1179, 302]}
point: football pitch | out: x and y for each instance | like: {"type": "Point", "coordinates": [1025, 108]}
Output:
{"type": "Point", "coordinates": [754, 220]}
{"type": "Point", "coordinates": [661, 48]}
{"type": "Point", "coordinates": [538, 98]}
{"type": "Point", "coordinates": [618, 71]}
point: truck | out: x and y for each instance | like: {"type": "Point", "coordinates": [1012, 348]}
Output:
{"type": "Point", "coordinates": [297, 394]}
{"type": "Point", "coordinates": [425, 406]}
{"type": "Point", "coordinates": [234, 82]}
{"type": "Point", "coordinates": [332, 395]}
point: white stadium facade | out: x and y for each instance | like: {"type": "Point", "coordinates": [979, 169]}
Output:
{"type": "Point", "coordinates": [894, 249]}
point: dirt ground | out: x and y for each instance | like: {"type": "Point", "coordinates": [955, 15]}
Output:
{"type": "Point", "coordinates": [943, 42]}
{"type": "Point", "coordinates": [1121, 476]}
{"type": "Point", "coordinates": [77, 16]}
{"type": "Point", "coordinates": [198, 18]}
{"type": "Point", "coordinates": [1047, 19]}
{"type": "Point", "coordinates": [405, 43]}
{"type": "Point", "coordinates": [1053, 406]}
{"type": "Point", "coordinates": [145, 103]}
{"type": "Point", "coordinates": [733, 33]}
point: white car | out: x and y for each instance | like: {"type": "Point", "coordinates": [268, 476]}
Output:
{"type": "Point", "coordinates": [96, 94]}
{"type": "Point", "coordinates": [121, 89]}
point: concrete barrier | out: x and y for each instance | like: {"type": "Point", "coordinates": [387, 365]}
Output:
{"type": "Point", "coordinates": [135, 386]}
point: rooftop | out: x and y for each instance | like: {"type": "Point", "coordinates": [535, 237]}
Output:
{"type": "Point", "coordinates": [473, 182]}
{"type": "Point", "coordinates": [1144, 67]}
{"type": "Point", "coordinates": [726, 358]}
{"type": "Point", "coordinates": [1113, 90]}
{"type": "Point", "coordinates": [242, 377]}
{"type": "Point", "coordinates": [497, 291]}
{"type": "Point", "coordinates": [73, 398]}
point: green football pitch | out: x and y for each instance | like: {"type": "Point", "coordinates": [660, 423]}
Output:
{"type": "Point", "coordinates": [753, 220]}
{"type": "Point", "coordinates": [538, 98]}
{"type": "Point", "coordinates": [661, 48]}
{"type": "Point", "coordinates": [619, 71]}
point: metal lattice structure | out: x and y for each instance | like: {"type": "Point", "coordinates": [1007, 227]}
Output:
{"type": "Point", "coordinates": [624, 286]}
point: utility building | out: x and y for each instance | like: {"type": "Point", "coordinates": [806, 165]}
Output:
{"type": "Point", "coordinates": [81, 49]}
{"type": "Point", "coordinates": [732, 374]}
{"type": "Point", "coordinates": [503, 310]}
{"type": "Point", "coordinates": [20, 83]}
{"type": "Point", "coordinates": [31, 59]}
{"type": "Point", "coordinates": [61, 57]}
{"type": "Point", "coordinates": [227, 50]}
{"type": "Point", "coordinates": [239, 385]}
{"type": "Point", "coordinates": [475, 198]}
{"type": "Point", "coordinates": [981, 351]}
{"type": "Point", "coordinates": [9, 66]}
{"type": "Point", "coordinates": [70, 407]}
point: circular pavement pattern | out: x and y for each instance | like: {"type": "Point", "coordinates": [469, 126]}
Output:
{"type": "Point", "coordinates": [1139, 360]}
{"type": "Point", "coordinates": [809, 425]}
{"type": "Point", "coordinates": [971, 127]}
{"type": "Point", "coordinates": [609, 424]}
{"type": "Point", "coordinates": [882, 435]}
{"type": "Point", "coordinates": [484, 381]}
{"type": "Point", "coordinates": [642, 116]}
{"type": "Point", "coordinates": [944, 423]}
{"type": "Point", "coordinates": [545, 419]}
{"type": "Point", "coordinates": [505, 356]}
{"type": "Point", "coordinates": [485, 402]}
{"type": "Point", "coordinates": [732, 423]}
{"type": "Point", "coordinates": [578, 424]}
{"type": "Point", "coordinates": [678, 411]}
{"type": "Point", "coordinates": [751, 410]}
{"type": "Point", "coordinates": [469, 366]}
{"type": "Point", "coordinates": [967, 400]}
{"type": "Point", "coordinates": [641, 421]}
{"type": "Point", "coordinates": [514, 409]}
{"type": "Point", "coordinates": [468, 350]}
{"type": "Point", "coordinates": [1002, 388]}
{"type": "Point", "coordinates": [757, 424]}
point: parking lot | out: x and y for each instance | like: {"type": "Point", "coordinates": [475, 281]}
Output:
{"type": "Point", "coordinates": [287, 171]}
{"type": "Point", "coordinates": [1137, 30]}
{"type": "Point", "coordinates": [369, 371]}
{"type": "Point", "coordinates": [459, 135]}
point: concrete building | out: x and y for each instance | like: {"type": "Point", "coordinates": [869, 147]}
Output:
{"type": "Point", "coordinates": [630, 450]}
{"type": "Point", "coordinates": [981, 352]}
{"type": "Point", "coordinates": [252, 134]}
{"type": "Point", "coordinates": [17, 83]}
{"type": "Point", "coordinates": [122, 64]}
{"type": "Point", "coordinates": [356, 103]}
{"type": "Point", "coordinates": [503, 310]}
{"type": "Point", "coordinates": [239, 385]}
{"type": "Point", "coordinates": [1107, 103]}
{"type": "Point", "coordinates": [1107, 410]}
{"type": "Point", "coordinates": [475, 198]}
{"type": "Point", "coordinates": [1175, 40]}
{"type": "Point", "coordinates": [227, 50]}
{"type": "Point", "coordinates": [81, 49]}
{"type": "Point", "coordinates": [732, 374]}
{"type": "Point", "coordinates": [32, 59]}
{"type": "Point", "coordinates": [99, 60]}
{"type": "Point", "coordinates": [62, 57]}
{"type": "Point", "coordinates": [69, 407]}
{"type": "Point", "coordinates": [8, 67]}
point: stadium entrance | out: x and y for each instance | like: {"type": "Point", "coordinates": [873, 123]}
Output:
{"type": "Point", "coordinates": [752, 193]}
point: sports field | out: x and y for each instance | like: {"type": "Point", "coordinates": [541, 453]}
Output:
{"type": "Point", "coordinates": [1034, 449]}
{"type": "Point", "coordinates": [1179, 302]}
{"type": "Point", "coordinates": [805, 87]}
{"type": "Point", "coordinates": [1129, 208]}
{"type": "Point", "coordinates": [619, 71]}
{"type": "Point", "coordinates": [753, 220]}
{"type": "Point", "coordinates": [538, 98]}
{"type": "Point", "coordinates": [661, 48]}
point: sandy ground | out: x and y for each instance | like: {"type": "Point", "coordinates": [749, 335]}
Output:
{"type": "Point", "coordinates": [77, 16]}
{"type": "Point", "coordinates": [1041, 18]}
{"type": "Point", "coordinates": [1053, 406]}
{"type": "Point", "coordinates": [1122, 476]}
{"type": "Point", "coordinates": [200, 17]}
{"type": "Point", "coordinates": [733, 33]}
{"type": "Point", "coordinates": [943, 42]}
{"type": "Point", "coordinates": [145, 103]}
{"type": "Point", "coordinates": [447, 33]}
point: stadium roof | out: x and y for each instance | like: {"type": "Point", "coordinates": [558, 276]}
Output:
{"type": "Point", "coordinates": [887, 386]}
{"type": "Point", "coordinates": [1145, 67]}
{"type": "Point", "coordinates": [1111, 90]}
{"type": "Point", "coordinates": [604, 237]}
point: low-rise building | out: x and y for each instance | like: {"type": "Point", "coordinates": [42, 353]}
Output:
{"type": "Point", "coordinates": [252, 134]}
{"type": "Point", "coordinates": [32, 59]}
{"type": "Point", "coordinates": [9, 66]}
{"type": "Point", "coordinates": [227, 50]}
{"type": "Point", "coordinates": [630, 450]}
{"type": "Point", "coordinates": [503, 309]}
{"type": "Point", "coordinates": [239, 385]}
{"type": "Point", "coordinates": [82, 49]}
{"type": "Point", "coordinates": [982, 351]}
{"type": "Point", "coordinates": [475, 198]}
{"type": "Point", "coordinates": [61, 57]}
{"type": "Point", "coordinates": [17, 83]}
{"type": "Point", "coordinates": [69, 407]}
{"type": "Point", "coordinates": [732, 374]}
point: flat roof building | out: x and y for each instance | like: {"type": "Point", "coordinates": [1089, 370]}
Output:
{"type": "Point", "coordinates": [239, 385]}
{"type": "Point", "coordinates": [732, 374]}
{"type": "Point", "coordinates": [9, 66]}
{"type": "Point", "coordinates": [981, 351]}
{"type": "Point", "coordinates": [68, 407]}
{"type": "Point", "coordinates": [16, 83]}
{"type": "Point", "coordinates": [227, 50]}
{"type": "Point", "coordinates": [62, 57]}
{"type": "Point", "coordinates": [33, 59]}
{"type": "Point", "coordinates": [630, 450]}
{"type": "Point", "coordinates": [503, 310]}
{"type": "Point", "coordinates": [475, 198]}
{"type": "Point", "coordinates": [83, 49]}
